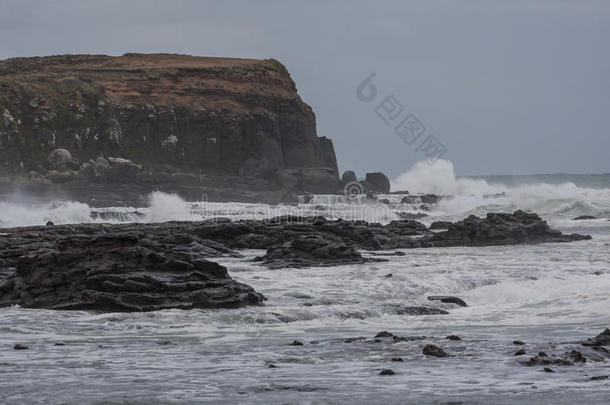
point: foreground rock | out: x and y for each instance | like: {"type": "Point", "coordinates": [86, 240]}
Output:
{"type": "Point", "coordinates": [122, 272]}
{"type": "Point", "coordinates": [141, 267]}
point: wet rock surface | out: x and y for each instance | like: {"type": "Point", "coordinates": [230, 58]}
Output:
{"type": "Point", "coordinates": [117, 271]}
{"type": "Point", "coordinates": [415, 310]}
{"type": "Point", "coordinates": [565, 359]}
{"type": "Point", "coordinates": [388, 347]}
{"type": "Point", "coordinates": [311, 251]}
{"type": "Point", "coordinates": [409, 215]}
{"type": "Point", "coordinates": [434, 351]}
{"type": "Point", "coordinates": [377, 183]}
{"type": "Point", "coordinates": [448, 299]}
{"type": "Point", "coordinates": [421, 198]}
{"type": "Point", "coordinates": [603, 339]}
{"type": "Point", "coordinates": [440, 224]}
{"type": "Point", "coordinates": [141, 267]}
{"type": "Point", "coordinates": [501, 229]}
{"type": "Point", "coordinates": [494, 229]}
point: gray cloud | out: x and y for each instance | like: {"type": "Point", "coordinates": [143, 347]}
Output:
{"type": "Point", "coordinates": [509, 87]}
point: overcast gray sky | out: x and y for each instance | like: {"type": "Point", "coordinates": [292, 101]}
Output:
{"type": "Point", "coordinates": [509, 87]}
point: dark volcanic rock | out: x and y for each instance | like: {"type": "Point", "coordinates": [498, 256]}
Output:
{"type": "Point", "coordinates": [434, 351]}
{"type": "Point", "coordinates": [152, 266]}
{"type": "Point", "coordinates": [377, 183]}
{"type": "Point", "coordinates": [348, 177]}
{"type": "Point", "coordinates": [120, 272]}
{"type": "Point", "coordinates": [545, 361]}
{"type": "Point", "coordinates": [169, 118]}
{"type": "Point", "coordinates": [440, 224]}
{"type": "Point", "coordinates": [420, 198]}
{"type": "Point", "coordinates": [576, 357]}
{"type": "Point", "coordinates": [603, 339]}
{"type": "Point", "coordinates": [306, 251]}
{"type": "Point", "coordinates": [583, 217]}
{"type": "Point", "coordinates": [495, 229]}
{"type": "Point", "coordinates": [408, 310]}
{"type": "Point", "coordinates": [387, 371]}
{"type": "Point", "coordinates": [501, 229]}
{"type": "Point", "coordinates": [448, 299]}
{"type": "Point", "coordinates": [19, 346]}
{"type": "Point", "coordinates": [407, 227]}
{"type": "Point", "coordinates": [409, 215]}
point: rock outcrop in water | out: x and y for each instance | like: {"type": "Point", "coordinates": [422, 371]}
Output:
{"type": "Point", "coordinates": [494, 229]}
{"type": "Point", "coordinates": [140, 267]}
{"type": "Point", "coordinates": [98, 269]}
{"type": "Point", "coordinates": [310, 251]}
{"type": "Point", "coordinates": [231, 128]}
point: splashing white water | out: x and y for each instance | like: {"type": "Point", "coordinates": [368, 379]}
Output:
{"type": "Point", "coordinates": [477, 196]}
{"type": "Point", "coordinates": [463, 196]}
{"type": "Point", "coordinates": [23, 214]}
{"type": "Point", "coordinates": [166, 207]}
{"type": "Point", "coordinates": [439, 178]}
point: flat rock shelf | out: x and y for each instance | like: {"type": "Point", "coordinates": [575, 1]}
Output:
{"type": "Point", "coordinates": [146, 267]}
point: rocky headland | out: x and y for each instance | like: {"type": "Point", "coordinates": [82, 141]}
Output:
{"type": "Point", "coordinates": [234, 129]}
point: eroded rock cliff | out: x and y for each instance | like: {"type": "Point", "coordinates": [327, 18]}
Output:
{"type": "Point", "coordinates": [222, 125]}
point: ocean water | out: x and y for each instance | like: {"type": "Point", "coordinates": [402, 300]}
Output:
{"type": "Point", "coordinates": [551, 296]}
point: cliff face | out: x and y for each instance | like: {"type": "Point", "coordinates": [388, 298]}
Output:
{"type": "Point", "coordinates": [178, 118]}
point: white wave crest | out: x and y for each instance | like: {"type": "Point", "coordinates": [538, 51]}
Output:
{"type": "Point", "coordinates": [478, 196]}
{"type": "Point", "coordinates": [166, 207]}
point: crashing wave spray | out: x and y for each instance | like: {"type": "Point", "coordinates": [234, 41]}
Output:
{"type": "Point", "coordinates": [478, 196]}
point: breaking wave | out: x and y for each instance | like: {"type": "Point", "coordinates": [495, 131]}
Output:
{"type": "Point", "coordinates": [551, 196]}
{"type": "Point", "coordinates": [477, 195]}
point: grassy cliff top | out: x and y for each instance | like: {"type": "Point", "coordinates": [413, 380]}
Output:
{"type": "Point", "coordinates": [134, 78]}
{"type": "Point", "coordinates": [59, 64]}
